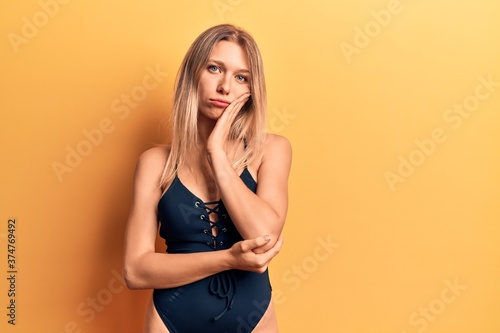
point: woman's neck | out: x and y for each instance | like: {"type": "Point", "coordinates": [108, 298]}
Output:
{"type": "Point", "coordinates": [205, 128]}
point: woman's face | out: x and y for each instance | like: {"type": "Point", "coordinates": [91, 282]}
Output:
{"type": "Point", "coordinates": [225, 78]}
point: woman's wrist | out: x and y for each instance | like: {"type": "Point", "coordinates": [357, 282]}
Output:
{"type": "Point", "coordinates": [213, 149]}
{"type": "Point", "coordinates": [215, 156]}
{"type": "Point", "coordinates": [227, 260]}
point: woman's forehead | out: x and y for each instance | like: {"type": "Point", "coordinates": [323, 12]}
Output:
{"type": "Point", "coordinates": [230, 55]}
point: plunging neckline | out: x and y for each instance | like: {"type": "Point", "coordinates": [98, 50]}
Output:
{"type": "Point", "coordinates": [197, 197]}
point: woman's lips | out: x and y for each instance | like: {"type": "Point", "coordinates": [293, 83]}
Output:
{"type": "Point", "coordinates": [220, 103]}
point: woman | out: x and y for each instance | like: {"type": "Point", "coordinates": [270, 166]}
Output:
{"type": "Point", "coordinates": [221, 229]}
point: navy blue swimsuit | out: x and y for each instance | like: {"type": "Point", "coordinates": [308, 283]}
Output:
{"type": "Point", "coordinates": [227, 302]}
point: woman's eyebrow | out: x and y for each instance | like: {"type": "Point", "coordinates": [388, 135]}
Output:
{"type": "Point", "coordinates": [222, 64]}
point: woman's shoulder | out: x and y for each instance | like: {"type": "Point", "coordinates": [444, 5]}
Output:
{"type": "Point", "coordinates": [274, 143]}
{"type": "Point", "coordinates": [276, 155]}
{"type": "Point", "coordinates": [154, 158]}
{"type": "Point", "coordinates": [276, 151]}
{"type": "Point", "coordinates": [156, 153]}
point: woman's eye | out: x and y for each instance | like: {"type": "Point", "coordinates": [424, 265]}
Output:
{"type": "Point", "coordinates": [241, 78]}
{"type": "Point", "coordinates": [213, 68]}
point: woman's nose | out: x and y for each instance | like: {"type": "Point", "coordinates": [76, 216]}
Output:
{"type": "Point", "coordinates": [224, 85]}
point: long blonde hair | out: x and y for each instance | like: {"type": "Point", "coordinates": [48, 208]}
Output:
{"type": "Point", "coordinates": [249, 125]}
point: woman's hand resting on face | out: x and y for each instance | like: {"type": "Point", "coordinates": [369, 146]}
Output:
{"type": "Point", "coordinates": [220, 133]}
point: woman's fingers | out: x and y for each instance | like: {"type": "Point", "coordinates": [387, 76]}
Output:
{"type": "Point", "coordinates": [245, 257]}
{"type": "Point", "coordinates": [234, 108]}
{"type": "Point", "coordinates": [272, 252]}
{"type": "Point", "coordinates": [251, 244]}
{"type": "Point", "coordinates": [221, 130]}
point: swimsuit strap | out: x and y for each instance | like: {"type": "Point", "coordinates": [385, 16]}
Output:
{"type": "Point", "coordinates": [245, 148]}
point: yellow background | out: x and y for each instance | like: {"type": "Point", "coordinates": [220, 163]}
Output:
{"type": "Point", "coordinates": [353, 118]}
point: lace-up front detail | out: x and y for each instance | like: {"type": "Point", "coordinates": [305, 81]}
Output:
{"type": "Point", "coordinates": [216, 229]}
{"type": "Point", "coordinates": [223, 284]}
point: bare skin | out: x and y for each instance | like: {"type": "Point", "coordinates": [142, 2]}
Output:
{"type": "Point", "coordinates": [259, 217]}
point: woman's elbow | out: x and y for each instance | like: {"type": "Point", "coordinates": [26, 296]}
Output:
{"type": "Point", "coordinates": [274, 232]}
{"type": "Point", "coordinates": [276, 228]}
{"type": "Point", "coordinates": [132, 278]}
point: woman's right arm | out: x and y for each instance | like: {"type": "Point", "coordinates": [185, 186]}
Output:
{"type": "Point", "coordinates": [146, 269]}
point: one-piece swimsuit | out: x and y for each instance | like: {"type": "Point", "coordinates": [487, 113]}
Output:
{"type": "Point", "coordinates": [231, 301]}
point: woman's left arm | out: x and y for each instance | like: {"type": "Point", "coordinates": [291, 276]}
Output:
{"type": "Point", "coordinates": [264, 212]}
{"type": "Point", "coordinates": [253, 214]}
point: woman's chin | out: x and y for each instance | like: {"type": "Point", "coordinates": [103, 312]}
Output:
{"type": "Point", "coordinates": [213, 114]}
{"type": "Point", "coordinates": [212, 117]}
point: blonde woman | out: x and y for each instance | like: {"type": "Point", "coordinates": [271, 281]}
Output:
{"type": "Point", "coordinates": [219, 192]}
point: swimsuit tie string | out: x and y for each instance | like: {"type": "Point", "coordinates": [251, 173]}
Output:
{"type": "Point", "coordinates": [222, 285]}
